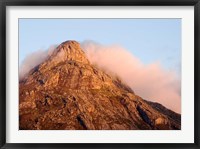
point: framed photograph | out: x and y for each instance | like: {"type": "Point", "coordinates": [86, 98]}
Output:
{"type": "Point", "coordinates": [99, 74]}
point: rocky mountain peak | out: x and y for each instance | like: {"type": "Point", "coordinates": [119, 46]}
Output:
{"type": "Point", "coordinates": [67, 92]}
{"type": "Point", "coordinates": [69, 51]}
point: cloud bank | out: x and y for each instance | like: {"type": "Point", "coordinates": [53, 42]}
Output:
{"type": "Point", "coordinates": [33, 60]}
{"type": "Point", "coordinates": [151, 81]}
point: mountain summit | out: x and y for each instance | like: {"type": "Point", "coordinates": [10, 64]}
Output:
{"type": "Point", "coordinates": [70, 51]}
{"type": "Point", "coordinates": [67, 92]}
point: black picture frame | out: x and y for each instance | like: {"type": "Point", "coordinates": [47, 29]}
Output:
{"type": "Point", "coordinates": [5, 3]}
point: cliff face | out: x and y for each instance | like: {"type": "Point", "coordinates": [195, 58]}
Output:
{"type": "Point", "coordinates": [67, 92]}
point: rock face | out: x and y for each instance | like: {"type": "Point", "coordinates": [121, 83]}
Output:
{"type": "Point", "coordinates": [66, 92]}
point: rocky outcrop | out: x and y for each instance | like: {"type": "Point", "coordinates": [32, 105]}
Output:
{"type": "Point", "coordinates": [67, 92]}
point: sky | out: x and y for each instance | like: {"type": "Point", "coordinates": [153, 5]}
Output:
{"type": "Point", "coordinates": [144, 53]}
{"type": "Point", "coordinates": [149, 39]}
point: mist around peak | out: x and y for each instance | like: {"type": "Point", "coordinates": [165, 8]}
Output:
{"type": "Point", "coordinates": [152, 81]}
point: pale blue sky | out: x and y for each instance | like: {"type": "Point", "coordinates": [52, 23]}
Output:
{"type": "Point", "coordinates": [149, 39]}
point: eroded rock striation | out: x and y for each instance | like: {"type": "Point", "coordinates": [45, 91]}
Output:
{"type": "Point", "coordinates": [67, 92]}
